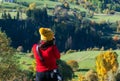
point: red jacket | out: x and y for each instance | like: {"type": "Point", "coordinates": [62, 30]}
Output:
{"type": "Point", "coordinates": [50, 55]}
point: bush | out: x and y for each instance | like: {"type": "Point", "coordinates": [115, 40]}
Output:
{"type": "Point", "coordinates": [91, 76]}
{"type": "Point", "coordinates": [106, 62]}
{"type": "Point", "coordinates": [65, 70]}
{"type": "Point", "coordinates": [73, 64]}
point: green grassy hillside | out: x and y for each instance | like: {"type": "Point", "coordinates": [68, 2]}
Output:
{"type": "Point", "coordinates": [85, 59]}
{"type": "Point", "coordinates": [7, 5]}
{"type": "Point", "coordinates": [105, 17]}
{"type": "Point", "coordinates": [52, 4]}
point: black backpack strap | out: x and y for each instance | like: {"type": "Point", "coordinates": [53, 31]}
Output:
{"type": "Point", "coordinates": [40, 55]}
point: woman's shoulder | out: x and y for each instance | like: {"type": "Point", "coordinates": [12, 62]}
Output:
{"type": "Point", "coordinates": [34, 46]}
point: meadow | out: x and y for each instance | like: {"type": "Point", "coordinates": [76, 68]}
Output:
{"type": "Point", "coordinates": [50, 5]}
{"type": "Point", "coordinates": [85, 59]}
{"type": "Point", "coordinates": [105, 17]}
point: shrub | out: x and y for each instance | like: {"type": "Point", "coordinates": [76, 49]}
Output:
{"type": "Point", "coordinates": [73, 64]}
{"type": "Point", "coordinates": [91, 76]}
{"type": "Point", "coordinates": [105, 62]}
{"type": "Point", "coordinates": [81, 78]}
{"type": "Point", "coordinates": [65, 70]}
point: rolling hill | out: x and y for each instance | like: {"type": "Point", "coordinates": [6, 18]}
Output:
{"type": "Point", "coordinates": [23, 4]}
{"type": "Point", "coordinates": [85, 59]}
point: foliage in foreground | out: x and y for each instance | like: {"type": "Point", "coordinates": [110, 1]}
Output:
{"type": "Point", "coordinates": [73, 64]}
{"type": "Point", "coordinates": [9, 68]}
{"type": "Point", "coordinates": [106, 62]}
{"type": "Point", "coordinates": [65, 70]}
{"type": "Point", "coordinates": [106, 68]}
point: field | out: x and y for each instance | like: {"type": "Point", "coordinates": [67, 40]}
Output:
{"type": "Point", "coordinates": [8, 5]}
{"type": "Point", "coordinates": [85, 59]}
{"type": "Point", "coordinates": [50, 5]}
{"type": "Point", "coordinates": [105, 17]}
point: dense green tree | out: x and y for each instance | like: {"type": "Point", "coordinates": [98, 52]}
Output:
{"type": "Point", "coordinates": [9, 16]}
{"type": "Point", "coordinates": [29, 13]}
{"type": "Point", "coordinates": [4, 15]}
{"type": "Point", "coordinates": [18, 15]}
{"type": "Point", "coordinates": [39, 16]}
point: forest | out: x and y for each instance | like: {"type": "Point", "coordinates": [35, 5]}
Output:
{"type": "Point", "coordinates": [73, 29]}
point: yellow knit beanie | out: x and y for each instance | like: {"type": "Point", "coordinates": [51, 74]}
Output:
{"type": "Point", "coordinates": [46, 34]}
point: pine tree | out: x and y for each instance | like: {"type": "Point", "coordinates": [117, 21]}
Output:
{"type": "Point", "coordinates": [9, 16]}
{"type": "Point", "coordinates": [17, 16]}
{"type": "Point", "coordinates": [4, 15]}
